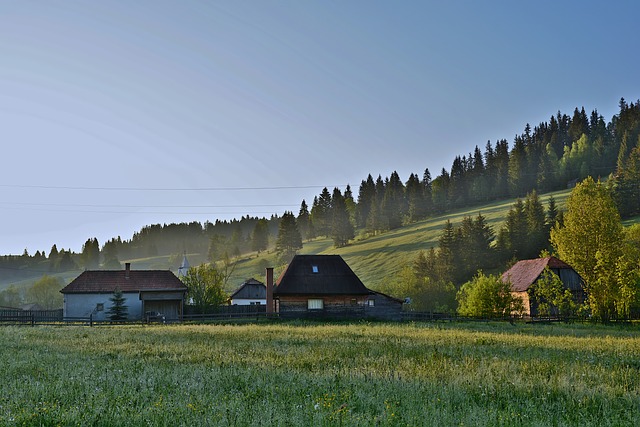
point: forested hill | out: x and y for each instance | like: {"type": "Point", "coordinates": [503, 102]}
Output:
{"type": "Point", "coordinates": [548, 156]}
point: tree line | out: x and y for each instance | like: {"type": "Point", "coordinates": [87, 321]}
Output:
{"type": "Point", "coordinates": [552, 155]}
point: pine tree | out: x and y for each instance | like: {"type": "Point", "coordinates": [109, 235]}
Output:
{"type": "Point", "coordinates": [304, 221]}
{"type": "Point", "coordinates": [341, 228]}
{"type": "Point", "coordinates": [321, 213]}
{"type": "Point", "coordinates": [90, 256]}
{"type": "Point", "coordinates": [537, 236]}
{"type": "Point", "coordinates": [289, 240]}
{"type": "Point", "coordinates": [260, 236]}
{"type": "Point", "coordinates": [394, 205]}
{"type": "Point", "coordinates": [118, 310]}
{"type": "Point", "coordinates": [415, 198]}
{"type": "Point", "coordinates": [366, 197]}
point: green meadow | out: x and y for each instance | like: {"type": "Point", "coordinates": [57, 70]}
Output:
{"type": "Point", "coordinates": [314, 374]}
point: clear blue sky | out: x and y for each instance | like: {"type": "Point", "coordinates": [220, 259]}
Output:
{"type": "Point", "coordinates": [119, 114]}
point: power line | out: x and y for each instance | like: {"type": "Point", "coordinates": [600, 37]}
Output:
{"type": "Point", "coordinates": [143, 206]}
{"type": "Point", "coordinates": [54, 187]}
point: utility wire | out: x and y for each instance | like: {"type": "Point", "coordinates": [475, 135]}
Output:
{"type": "Point", "coordinates": [53, 187]}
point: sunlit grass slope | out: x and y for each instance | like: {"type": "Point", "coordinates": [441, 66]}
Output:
{"type": "Point", "coordinates": [293, 374]}
{"type": "Point", "coordinates": [378, 259]}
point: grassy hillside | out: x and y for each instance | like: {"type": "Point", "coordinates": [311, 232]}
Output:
{"type": "Point", "coordinates": [378, 259]}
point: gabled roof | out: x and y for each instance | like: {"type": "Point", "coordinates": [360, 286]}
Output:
{"type": "Point", "coordinates": [319, 275]}
{"type": "Point", "coordinates": [250, 289]}
{"type": "Point", "coordinates": [524, 273]}
{"type": "Point", "coordinates": [106, 281]}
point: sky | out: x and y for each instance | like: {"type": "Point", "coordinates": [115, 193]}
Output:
{"type": "Point", "coordinates": [117, 114]}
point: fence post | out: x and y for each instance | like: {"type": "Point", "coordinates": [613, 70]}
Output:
{"type": "Point", "coordinates": [91, 320]}
{"type": "Point", "coordinates": [33, 320]}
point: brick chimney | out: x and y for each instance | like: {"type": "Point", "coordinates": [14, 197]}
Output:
{"type": "Point", "coordinates": [269, 290]}
{"type": "Point", "coordinates": [127, 269]}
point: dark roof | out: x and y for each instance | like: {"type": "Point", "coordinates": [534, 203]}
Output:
{"type": "Point", "coordinates": [524, 273]}
{"type": "Point", "coordinates": [106, 281]}
{"type": "Point", "coordinates": [319, 275]}
{"type": "Point", "coordinates": [389, 297]}
{"type": "Point", "coordinates": [250, 289]}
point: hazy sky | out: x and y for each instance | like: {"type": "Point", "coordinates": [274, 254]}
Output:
{"type": "Point", "coordinates": [119, 114]}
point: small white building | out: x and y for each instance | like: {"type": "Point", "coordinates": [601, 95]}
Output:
{"type": "Point", "coordinates": [144, 291]}
{"type": "Point", "coordinates": [251, 292]}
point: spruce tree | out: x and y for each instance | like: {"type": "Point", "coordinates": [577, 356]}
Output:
{"type": "Point", "coordinates": [118, 310]}
{"type": "Point", "coordinates": [341, 228]}
{"type": "Point", "coordinates": [289, 240]}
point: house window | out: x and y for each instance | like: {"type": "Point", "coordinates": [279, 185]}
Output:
{"type": "Point", "coordinates": [314, 268]}
{"type": "Point", "coordinates": [371, 303]}
{"type": "Point", "coordinates": [315, 304]}
{"type": "Point", "coordinates": [254, 303]}
{"type": "Point", "coordinates": [99, 306]}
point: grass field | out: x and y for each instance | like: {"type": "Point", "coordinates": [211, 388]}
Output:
{"type": "Point", "coordinates": [301, 374]}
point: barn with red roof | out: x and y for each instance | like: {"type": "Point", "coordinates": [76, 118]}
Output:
{"type": "Point", "coordinates": [524, 274]}
{"type": "Point", "coordinates": [158, 291]}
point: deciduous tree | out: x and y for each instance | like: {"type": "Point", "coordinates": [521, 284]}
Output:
{"type": "Point", "coordinates": [488, 297]}
{"type": "Point", "coordinates": [591, 241]}
{"type": "Point", "coordinates": [205, 287]}
{"type": "Point", "coordinates": [46, 293]}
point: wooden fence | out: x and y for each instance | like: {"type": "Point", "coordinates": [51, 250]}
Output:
{"type": "Point", "coordinates": [30, 317]}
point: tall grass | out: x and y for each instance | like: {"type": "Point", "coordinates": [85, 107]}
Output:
{"type": "Point", "coordinates": [316, 374]}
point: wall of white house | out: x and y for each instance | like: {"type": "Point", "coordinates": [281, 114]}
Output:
{"type": "Point", "coordinates": [242, 301]}
{"type": "Point", "coordinates": [83, 305]}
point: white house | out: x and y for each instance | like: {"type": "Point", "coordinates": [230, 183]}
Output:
{"type": "Point", "coordinates": [144, 291]}
{"type": "Point", "coordinates": [251, 292]}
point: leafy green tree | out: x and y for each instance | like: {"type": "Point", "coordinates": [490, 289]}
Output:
{"type": "Point", "coordinates": [205, 287]}
{"type": "Point", "coordinates": [551, 297]}
{"type": "Point", "coordinates": [260, 235]}
{"type": "Point", "coordinates": [591, 242]}
{"type": "Point", "coordinates": [425, 293]}
{"type": "Point", "coordinates": [487, 297]}
{"type": "Point", "coordinates": [46, 293]}
{"type": "Point", "coordinates": [289, 240]}
{"type": "Point", "coordinates": [11, 297]}
{"type": "Point", "coordinates": [118, 310]}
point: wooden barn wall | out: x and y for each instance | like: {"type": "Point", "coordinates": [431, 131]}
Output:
{"type": "Point", "coordinates": [334, 306]}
